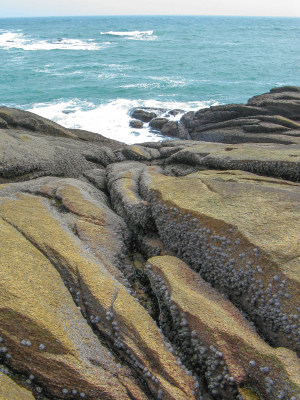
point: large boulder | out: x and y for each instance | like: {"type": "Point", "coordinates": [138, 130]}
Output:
{"type": "Point", "coordinates": [123, 184]}
{"type": "Point", "coordinates": [158, 123]}
{"type": "Point", "coordinates": [284, 101]}
{"type": "Point", "coordinates": [266, 159]}
{"type": "Point", "coordinates": [26, 156]}
{"type": "Point", "coordinates": [15, 118]}
{"type": "Point", "coordinates": [140, 153]}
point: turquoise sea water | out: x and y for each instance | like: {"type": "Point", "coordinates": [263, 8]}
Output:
{"type": "Point", "coordinates": [87, 72]}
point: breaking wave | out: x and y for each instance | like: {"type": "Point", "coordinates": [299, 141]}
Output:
{"type": "Point", "coordinates": [111, 119]}
{"type": "Point", "coordinates": [17, 40]}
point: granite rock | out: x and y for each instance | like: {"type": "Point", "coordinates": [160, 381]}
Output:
{"type": "Point", "coordinates": [214, 317]}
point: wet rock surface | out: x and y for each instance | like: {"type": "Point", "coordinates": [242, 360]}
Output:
{"type": "Point", "coordinates": [158, 123]}
{"type": "Point", "coordinates": [166, 270]}
{"type": "Point", "coordinates": [143, 115]}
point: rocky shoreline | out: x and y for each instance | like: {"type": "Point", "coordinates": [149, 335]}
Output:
{"type": "Point", "coordinates": [166, 270]}
{"type": "Point", "coordinates": [260, 120]}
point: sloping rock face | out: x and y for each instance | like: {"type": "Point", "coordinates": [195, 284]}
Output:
{"type": "Point", "coordinates": [155, 271]}
{"type": "Point", "coordinates": [25, 156]}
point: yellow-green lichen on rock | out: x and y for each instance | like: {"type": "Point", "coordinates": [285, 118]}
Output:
{"type": "Point", "coordinates": [99, 296]}
{"type": "Point", "coordinates": [215, 316]}
{"type": "Point", "coordinates": [9, 390]}
{"type": "Point", "coordinates": [44, 332]}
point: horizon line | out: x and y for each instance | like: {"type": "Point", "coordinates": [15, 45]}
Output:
{"type": "Point", "coordinates": [149, 15]}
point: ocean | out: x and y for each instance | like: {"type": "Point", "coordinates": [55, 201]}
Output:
{"type": "Point", "coordinates": [89, 72]}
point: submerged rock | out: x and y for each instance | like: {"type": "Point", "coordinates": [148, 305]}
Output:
{"type": "Point", "coordinates": [135, 123]}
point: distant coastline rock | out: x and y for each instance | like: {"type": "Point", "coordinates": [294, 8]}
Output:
{"type": "Point", "coordinates": [270, 117]}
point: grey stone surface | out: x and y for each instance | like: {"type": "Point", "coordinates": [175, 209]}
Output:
{"type": "Point", "coordinates": [267, 114]}
{"type": "Point", "coordinates": [25, 155]}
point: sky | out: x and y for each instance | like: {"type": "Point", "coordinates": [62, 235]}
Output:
{"type": "Point", "coordinates": [32, 8]}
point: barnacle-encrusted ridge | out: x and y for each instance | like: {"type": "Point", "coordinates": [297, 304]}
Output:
{"type": "Point", "coordinates": [241, 236]}
{"type": "Point", "coordinates": [223, 345]}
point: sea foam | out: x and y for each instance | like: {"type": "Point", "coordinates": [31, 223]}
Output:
{"type": "Point", "coordinates": [110, 119]}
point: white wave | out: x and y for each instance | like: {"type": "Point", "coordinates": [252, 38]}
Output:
{"type": "Point", "coordinates": [111, 119]}
{"type": "Point", "coordinates": [10, 40]}
{"type": "Point", "coordinates": [134, 35]}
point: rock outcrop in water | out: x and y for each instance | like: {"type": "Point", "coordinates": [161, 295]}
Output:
{"type": "Point", "coordinates": [165, 270]}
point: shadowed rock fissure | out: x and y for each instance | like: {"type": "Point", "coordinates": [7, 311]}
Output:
{"type": "Point", "coordinates": [38, 390]}
{"type": "Point", "coordinates": [179, 338]}
{"type": "Point", "coordinates": [173, 332]}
